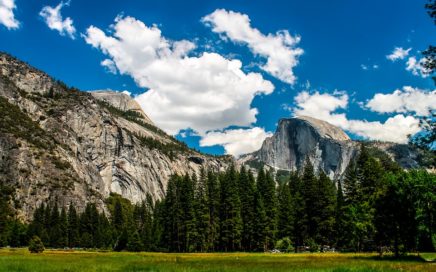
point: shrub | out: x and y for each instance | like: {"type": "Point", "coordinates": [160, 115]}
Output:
{"type": "Point", "coordinates": [284, 245]}
{"type": "Point", "coordinates": [313, 246]}
{"type": "Point", "coordinates": [36, 245]}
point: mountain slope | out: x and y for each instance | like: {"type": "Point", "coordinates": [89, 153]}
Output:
{"type": "Point", "coordinates": [297, 139]}
{"type": "Point", "coordinates": [60, 144]}
{"type": "Point", "coordinates": [326, 146]}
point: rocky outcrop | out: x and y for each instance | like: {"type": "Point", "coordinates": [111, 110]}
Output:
{"type": "Point", "coordinates": [93, 149]}
{"type": "Point", "coordinates": [327, 147]}
{"type": "Point", "coordinates": [296, 139]}
{"type": "Point", "coordinates": [121, 101]}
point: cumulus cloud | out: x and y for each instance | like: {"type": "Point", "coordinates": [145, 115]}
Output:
{"type": "Point", "coordinates": [279, 49]}
{"type": "Point", "coordinates": [324, 106]}
{"type": "Point", "coordinates": [7, 17]}
{"type": "Point", "coordinates": [237, 141]}
{"type": "Point", "coordinates": [416, 68]}
{"type": "Point", "coordinates": [109, 65]}
{"type": "Point", "coordinates": [204, 93]}
{"type": "Point", "coordinates": [53, 18]}
{"type": "Point", "coordinates": [406, 100]}
{"type": "Point", "coordinates": [127, 92]}
{"type": "Point", "coordinates": [398, 53]}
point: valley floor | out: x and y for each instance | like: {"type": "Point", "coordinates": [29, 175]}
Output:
{"type": "Point", "coordinates": [51, 260]}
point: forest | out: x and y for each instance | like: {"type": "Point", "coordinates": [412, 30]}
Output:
{"type": "Point", "coordinates": [376, 206]}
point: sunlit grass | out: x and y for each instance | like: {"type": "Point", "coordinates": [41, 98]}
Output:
{"type": "Point", "coordinates": [54, 260]}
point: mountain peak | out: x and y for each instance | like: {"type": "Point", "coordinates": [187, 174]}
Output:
{"type": "Point", "coordinates": [121, 101]}
{"type": "Point", "coordinates": [325, 129]}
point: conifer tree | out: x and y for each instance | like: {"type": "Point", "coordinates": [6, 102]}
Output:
{"type": "Point", "coordinates": [55, 231]}
{"type": "Point", "coordinates": [246, 194]}
{"type": "Point", "coordinates": [311, 196]}
{"type": "Point", "coordinates": [63, 229]}
{"type": "Point", "coordinates": [213, 196]}
{"type": "Point", "coordinates": [173, 216]}
{"type": "Point", "coordinates": [202, 213]}
{"type": "Point", "coordinates": [259, 242]}
{"type": "Point", "coordinates": [339, 217]}
{"type": "Point", "coordinates": [285, 227]}
{"type": "Point", "coordinates": [298, 203]}
{"type": "Point", "coordinates": [135, 243]}
{"type": "Point", "coordinates": [267, 189]}
{"type": "Point", "coordinates": [188, 231]}
{"type": "Point", "coordinates": [230, 212]}
{"type": "Point", "coordinates": [326, 205]}
{"type": "Point", "coordinates": [73, 227]}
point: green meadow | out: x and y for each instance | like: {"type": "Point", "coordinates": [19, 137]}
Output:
{"type": "Point", "coordinates": [55, 260]}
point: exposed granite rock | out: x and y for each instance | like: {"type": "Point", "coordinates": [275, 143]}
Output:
{"type": "Point", "coordinates": [121, 101]}
{"type": "Point", "coordinates": [94, 153]}
{"type": "Point", "coordinates": [326, 146]}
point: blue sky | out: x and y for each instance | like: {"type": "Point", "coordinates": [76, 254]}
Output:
{"type": "Point", "coordinates": [344, 75]}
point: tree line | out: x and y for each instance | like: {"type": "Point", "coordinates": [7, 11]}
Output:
{"type": "Point", "coordinates": [375, 206]}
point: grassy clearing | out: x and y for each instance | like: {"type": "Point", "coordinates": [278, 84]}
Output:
{"type": "Point", "coordinates": [22, 260]}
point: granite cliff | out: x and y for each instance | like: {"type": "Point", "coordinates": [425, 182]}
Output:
{"type": "Point", "coordinates": [58, 144]}
{"type": "Point", "coordinates": [327, 147]}
{"type": "Point", "coordinates": [297, 139]}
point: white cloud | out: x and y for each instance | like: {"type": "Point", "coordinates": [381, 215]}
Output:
{"type": "Point", "coordinates": [53, 18]}
{"type": "Point", "coordinates": [364, 67]}
{"type": "Point", "coordinates": [279, 49]}
{"type": "Point", "coordinates": [398, 53]}
{"type": "Point", "coordinates": [205, 92]}
{"type": "Point", "coordinates": [109, 65]}
{"type": "Point", "coordinates": [415, 67]}
{"type": "Point", "coordinates": [406, 100]}
{"type": "Point", "coordinates": [7, 17]}
{"type": "Point", "coordinates": [237, 141]}
{"type": "Point", "coordinates": [127, 92]}
{"type": "Point", "coordinates": [324, 107]}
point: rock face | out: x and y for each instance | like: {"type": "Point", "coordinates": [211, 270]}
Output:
{"type": "Point", "coordinates": [326, 146]}
{"type": "Point", "coordinates": [74, 148]}
{"type": "Point", "coordinates": [121, 101]}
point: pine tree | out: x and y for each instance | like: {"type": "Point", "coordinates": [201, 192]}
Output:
{"type": "Point", "coordinates": [188, 231]}
{"type": "Point", "coordinates": [326, 205]}
{"type": "Point", "coordinates": [173, 216]}
{"type": "Point", "coordinates": [5, 212]}
{"type": "Point", "coordinates": [259, 242]}
{"type": "Point", "coordinates": [47, 226]}
{"type": "Point", "coordinates": [285, 226]}
{"type": "Point", "coordinates": [230, 212]}
{"type": "Point", "coordinates": [339, 217]}
{"type": "Point", "coordinates": [246, 194]}
{"type": "Point", "coordinates": [63, 229]}
{"type": "Point", "coordinates": [73, 227]}
{"type": "Point", "coordinates": [118, 216]}
{"type": "Point", "coordinates": [18, 234]}
{"type": "Point", "coordinates": [213, 196]}
{"type": "Point", "coordinates": [202, 213]}
{"type": "Point", "coordinates": [37, 224]}
{"type": "Point", "coordinates": [267, 189]}
{"type": "Point", "coordinates": [55, 230]}
{"type": "Point", "coordinates": [311, 196]}
{"type": "Point", "coordinates": [104, 237]}
{"type": "Point", "coordinates": [298, 204]}
{"type": "Point", "coordinates": [135, 243]}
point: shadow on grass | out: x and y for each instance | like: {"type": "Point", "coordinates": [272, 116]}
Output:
{"type": "Point", "coordinates": [389, 258]}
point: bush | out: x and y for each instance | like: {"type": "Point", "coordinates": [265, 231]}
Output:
{"type": "Point", "coordinates": [313, 246]}
{"type": "Point", "coordinates": [284, 245]}
{"type": "Point", "coordinates": [36, 245]}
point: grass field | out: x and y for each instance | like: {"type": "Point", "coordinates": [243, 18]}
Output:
{"type": "Point", "coordinates": [22, 260]}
